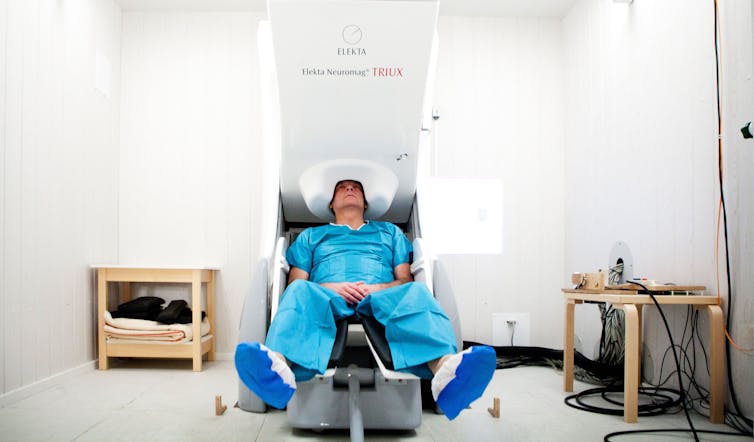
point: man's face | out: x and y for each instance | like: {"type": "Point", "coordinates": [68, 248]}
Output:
{"type": "Point", "coordinates": [348, 193]}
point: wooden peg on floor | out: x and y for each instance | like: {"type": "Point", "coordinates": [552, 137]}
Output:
{"type": "Point", "coordinates": [495, 410]}
{"type": "Point", "coordinates": [219, 407]}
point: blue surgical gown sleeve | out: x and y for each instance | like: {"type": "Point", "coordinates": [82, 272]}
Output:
{"type": "Point", "coordinates": [300, 254]}
{"type": "Point", "coordinates": [401, 246]}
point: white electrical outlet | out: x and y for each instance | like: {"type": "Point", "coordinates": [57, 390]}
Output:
{"type": "Point", "coordinates": [510, 329]}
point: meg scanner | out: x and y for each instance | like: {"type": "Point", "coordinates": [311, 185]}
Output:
{"type": "Point", "coordinates": [351, 80]}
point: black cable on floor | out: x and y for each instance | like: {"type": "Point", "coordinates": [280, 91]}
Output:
{"type": "Point", "coordinates": [660, 403]}
{"type": "Point", "coordinates": [509, 357]}
{"type": "Point", "coordinates": [633, 432]}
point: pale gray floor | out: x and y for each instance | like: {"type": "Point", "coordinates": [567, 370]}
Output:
{"type": "Point", "coordinates": [164, 400]}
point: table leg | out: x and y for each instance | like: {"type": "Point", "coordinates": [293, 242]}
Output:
{"type": "Point", "coordinates": [196, 318]}
{"type": "Point", "coordinates": [639, 339]}
{"type": "Point", "coordinates": [631, 376]}
{"type": "Point", "coordinates": [101, 307]}
{"type": "Point", "coordinates": [717, 364]}
{"type": "Point", "coordinates": [211, 312]}
{"type": "Point", "coordinates": [570, 305]}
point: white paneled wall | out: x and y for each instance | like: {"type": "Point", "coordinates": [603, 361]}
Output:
{"type": "Point", "coordinates": [499, 95]}
{"type": "Point", "coordinates": [58, 179]}
{"type": "Point", "coordinates": [641, 150]}
{"type": "Point", "coordinates": [190, 149]}
{"type": "Point", "coordinates": [640, 136]}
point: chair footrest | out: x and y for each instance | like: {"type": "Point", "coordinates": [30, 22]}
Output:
{"type": "Point", "coordinates": [390, 404]}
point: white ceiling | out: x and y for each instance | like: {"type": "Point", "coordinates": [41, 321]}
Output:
{"type": "Point", "coordinates": [517, 8]}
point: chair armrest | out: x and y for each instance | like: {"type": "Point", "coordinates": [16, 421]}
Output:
{"type": "Point", "coordinates": [421, 267]}
{"type": "Point", "coordinates": [280, 269]}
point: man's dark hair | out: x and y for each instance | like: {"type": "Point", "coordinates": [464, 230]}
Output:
{"type": "Point", "coordinates": [335, 188]}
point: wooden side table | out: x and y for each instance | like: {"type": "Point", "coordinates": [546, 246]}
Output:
{"type": "Point", "coordinates": [632, 304]}
{"type": "Point", "coordinates": [195, 349]}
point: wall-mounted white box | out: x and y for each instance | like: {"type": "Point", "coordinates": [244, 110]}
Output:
{"type": "Point", "coordinates": [510, 329]}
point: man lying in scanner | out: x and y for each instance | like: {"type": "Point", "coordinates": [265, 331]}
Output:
{"type": "Point", "coordinates": [361, 266]}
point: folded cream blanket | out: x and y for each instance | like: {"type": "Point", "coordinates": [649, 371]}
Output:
{"type": "Point", "coordinates": [144, 330]}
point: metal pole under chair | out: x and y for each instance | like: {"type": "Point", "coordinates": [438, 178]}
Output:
{"type": "Point", "coordinates": [355, 377]}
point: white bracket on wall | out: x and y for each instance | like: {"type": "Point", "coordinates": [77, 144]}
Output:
{"type": "Point", "coordinates": [620, 253]}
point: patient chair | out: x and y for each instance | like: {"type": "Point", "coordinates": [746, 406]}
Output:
{"type": "Point", "coordinates": [360, 390]}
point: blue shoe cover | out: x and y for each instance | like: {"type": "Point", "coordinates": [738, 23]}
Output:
{"type": "Point", "coordinates": [472, 375]}
{"type": "Point", "coordinates": [254, 365]}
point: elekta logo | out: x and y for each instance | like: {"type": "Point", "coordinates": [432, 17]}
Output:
{"type": "Point", "coordinates": [352, 51]}
{"type": "Point", "coordinates": [352, 35]}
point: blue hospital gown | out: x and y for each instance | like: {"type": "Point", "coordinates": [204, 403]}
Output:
{"type": "Point", "coordinates": [416, 328]}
